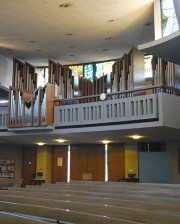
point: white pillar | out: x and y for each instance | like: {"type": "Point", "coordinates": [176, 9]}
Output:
{"type": "Point", "coordinates": [106, 162]}
{"type": "Point", "coordinates": [68, 163]}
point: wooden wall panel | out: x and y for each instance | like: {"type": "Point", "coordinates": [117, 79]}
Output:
{"type": "Point", "coordinates": [59, 173]}
{"type": "Point", "coordinates": [116, 161]}
{"type": "Point", "coordinates": [29, 156]}
{"type": "Point", "coordinates": [78, 162]}
{"type": "Point", "coordinates": [87, 159]}
{"type": "Point", "coordinates": [96, 162]}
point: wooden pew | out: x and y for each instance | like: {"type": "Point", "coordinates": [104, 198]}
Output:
{"type": "Point", "coordinates": [109, 193]}
{"type": "Point", "coordinates": [61, 214]}
{"type": "Point", "coordinates": [93, 196]}
{"type": "Point", "coordinates": [126, 213]}
{"type": "Point", "coordinates": [142, 204]}
{"type": "Point", "coordinates": [12, 219]}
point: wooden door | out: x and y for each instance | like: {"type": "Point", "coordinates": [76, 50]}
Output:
{"type": "Point", "coordinates": [116, 162]}
{"type": "Point", "coordinates": [59, 164]}
{"type": "Point", "coordinates": [29, 157]}
{"type": "Point", "coordinates": [87, 162]}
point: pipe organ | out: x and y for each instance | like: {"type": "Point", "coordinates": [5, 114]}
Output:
{"type": "Point", "coordinates": [165, 73]}
{"type": "Point", "coordinates": [32, 106]}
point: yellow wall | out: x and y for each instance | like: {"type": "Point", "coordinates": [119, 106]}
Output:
{"type": "Point", "coordinates": [44, 162]}
{"type": "Point", "coordinates": [13, 152]}
{"type": "Point", "coordinates": [131, 159]}
{"type": "Point", "coordinates": [173, 149]}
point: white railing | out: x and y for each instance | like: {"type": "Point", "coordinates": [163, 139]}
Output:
{"type": "Point", "coordinates": [109, 111]}
{"type": "Point", "coordinates": [67, 115]}
{"type": "Point", "coordinates": [115, 110]}
{"type": "Point", "coordinates": [91, 113]}
{"type": "Point", "coordinates": [144, 107]}
{"type": "Point", "coordinates": [3, 119]}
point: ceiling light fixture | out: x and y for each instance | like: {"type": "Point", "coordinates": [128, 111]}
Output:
{"type": "Point", "coordinates": [136, 137]}
{"type": "Point", "coordinates": [41, 143]}
{"type": "Point", "coordinates": [147, 24]}
{"type": "Point", "coordinates": [64, 5]}
{"type": "Point", "coordinates": [105, 141]}
{"type": "Point", "coordinates": [60, 140]}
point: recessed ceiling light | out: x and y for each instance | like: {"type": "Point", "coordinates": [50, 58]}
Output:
{"type": "Point", "coordinates": [41, 143]}
{"type": "Point", "coordinates": [69, 34]}
{"type": "Point", "coordinates": [147, 24]}
{"type": "Point", "coordinates": [66, 5]}
{"type": "Point", "coordinates": [136, 137]}
{"type": "Point", "coordinates": [105, 141]}
{"type": "Point", "coordinates": [107, 38]}
{"type": "Point", "coordinates": [111, 20]}
{"type": "Point", "coordinates": [60, 140]}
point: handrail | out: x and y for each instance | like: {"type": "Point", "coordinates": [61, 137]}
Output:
{"type": "Point", "coordinates": [125, 93]}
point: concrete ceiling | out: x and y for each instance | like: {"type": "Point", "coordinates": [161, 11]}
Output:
{"type": "Point", "coordinates": [38, 30]}
{"type": "Point", "coordinates": [93, 135]}
{"type": "Point", "coordinates": [166, 48]}
{"type": "Point", "coordinates": [74, 31]}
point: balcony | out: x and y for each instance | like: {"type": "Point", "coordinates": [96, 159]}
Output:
{"type": "Point", "coordinates": [125, 110]}
{"type": "Point", "coordinates": [155, 114]}
{"type": "Point", "coordinates": [122, 108]}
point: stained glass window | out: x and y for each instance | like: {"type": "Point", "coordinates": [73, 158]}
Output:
{"type": "Point", "coordinates": [169, 19]}
{"type": "Point", "coordinates": [148, 66]}
{"type": "Point", "coordinates": [103, 68]}
{"type": "Point", "coordinates": [88, 71]}
{"type": "Point", "coordinates": [77, 69]}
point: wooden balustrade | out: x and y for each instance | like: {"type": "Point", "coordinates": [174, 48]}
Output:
{"type": "Point", "coordinates": [26, 109]}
